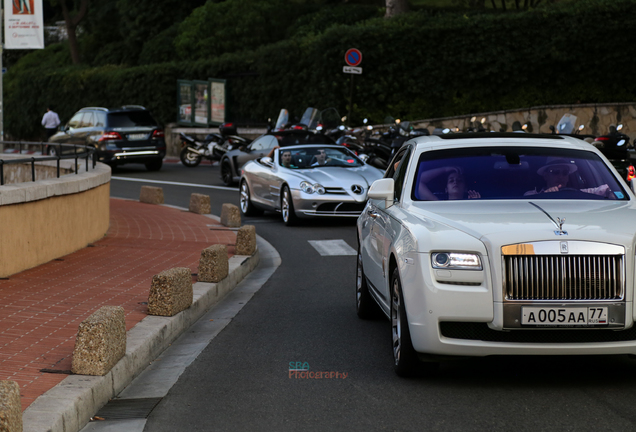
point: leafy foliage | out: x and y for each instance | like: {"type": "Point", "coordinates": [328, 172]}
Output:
{"type": "Point", "coordinates": [418, 65]}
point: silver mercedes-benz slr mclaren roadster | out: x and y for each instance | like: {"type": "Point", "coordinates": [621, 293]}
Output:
{"type": "Point", "coordinates": [307, 181]}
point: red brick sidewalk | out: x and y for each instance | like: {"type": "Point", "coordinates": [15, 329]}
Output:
{"type": "Point", "coordinates": [41, 308]}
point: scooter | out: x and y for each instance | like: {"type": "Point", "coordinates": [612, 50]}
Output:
{"type": "Point", "coordinates": [212, 148]}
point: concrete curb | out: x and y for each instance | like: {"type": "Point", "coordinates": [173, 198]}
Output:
{"type": "Point", "coordinates": [68, 406]}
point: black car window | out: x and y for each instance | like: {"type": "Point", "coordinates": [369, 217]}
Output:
{"type": "Point", "coordinates": [400, 172]}
{"type": "Point", "coordinates": [75, 121]}
{"type": "Point", "coordinates": [87, 120]}
{"type": "Point", "coordinates": [128, 119]}
{"type": "Point", "coordinates": [264, 143]}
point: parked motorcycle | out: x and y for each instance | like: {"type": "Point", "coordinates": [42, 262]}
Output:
{"type": "Point", "coordinates": [381, 149]}
{"type": "Point", "coordinates": [213, 147]}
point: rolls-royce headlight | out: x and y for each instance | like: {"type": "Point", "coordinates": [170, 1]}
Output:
{"type": "Point", "coordinates": [455, 261]}
{"type": "Point", "coordinates": [307, 187]}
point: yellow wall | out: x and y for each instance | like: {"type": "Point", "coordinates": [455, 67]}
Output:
{"type": "Point", "coordinates": [35, 232]}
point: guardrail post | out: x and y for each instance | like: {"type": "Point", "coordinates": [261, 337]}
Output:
{"type": "Point", "coordinates": [1, 172]}
{"type": "Point", "coordinates": [33, 169]}
{"type": "Point", "coordinates": [75, 152]}
{"type": "Point", "coordinates": [58, 165]}
{"type": "Point", "coordinates": [41, 148]}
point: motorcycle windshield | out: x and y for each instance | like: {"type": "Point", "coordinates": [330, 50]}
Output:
{"type": "Point", "coordinates": [566, 124]}
{"type": "Point", "coordinates": [283, 119]}
{"type": "Point", "coordinates": [310, 118]}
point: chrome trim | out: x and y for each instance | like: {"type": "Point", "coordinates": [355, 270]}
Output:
{"type": "Point", "coordinates": [553, 247]}
{"type": "Point", "coordinates": [563, 277]}
{"type": "Point", "coordinates": [138, 148]}
{"type": "Point", "coordinates": [137, 153]}
{"type": "Point", "coordinates": [341, 214]}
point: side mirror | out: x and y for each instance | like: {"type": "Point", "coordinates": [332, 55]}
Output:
{"type": "Point", "coordinates": [382, 190]}
{"type": "Point", "coordinates": [267, 161]}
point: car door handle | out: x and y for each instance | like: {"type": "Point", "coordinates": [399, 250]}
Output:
{"type": "Point", "coordinates": [372, 213]}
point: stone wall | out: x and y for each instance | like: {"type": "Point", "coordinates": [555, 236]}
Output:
{"type": "Point", "coordinates": [596, 118]}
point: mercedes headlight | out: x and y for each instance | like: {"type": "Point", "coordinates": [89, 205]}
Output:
{"type": "Point", "coordinates": [309, 188]}
{"type": "Point", "coordinates": [455, 261]}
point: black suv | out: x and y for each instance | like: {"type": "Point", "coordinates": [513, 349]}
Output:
{"type": "Point", "coordinates": [122, 135]}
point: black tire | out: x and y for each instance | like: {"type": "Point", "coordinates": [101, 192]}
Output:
{"type": "Point", "coordinates": [247, 208]}
{"type": "Point", "coordinates": [366, 307]}
{"type": "Point", "coordinates": [155, 165]}
{"type": "Point", "coordinates": [189, 158]}
{"type": "Point", "coordinates": [226, 173]}
{"type": "Point", "coordinates": [378, 162]}
{"type": "Point", "coordinates": [53, 151]}
{"type": "Point", "coordinates": [287, 207]}
{"type": "Point", "coordinates": [405, 361]}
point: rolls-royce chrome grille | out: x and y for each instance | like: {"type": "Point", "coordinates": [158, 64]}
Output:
{"type": "Point", "coordinates": [563, 277]}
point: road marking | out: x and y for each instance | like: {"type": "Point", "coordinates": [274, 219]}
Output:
{"type": "Point", "coordinates": [173, 183]}
{"type": "Point", "coordinates": [332, 247]}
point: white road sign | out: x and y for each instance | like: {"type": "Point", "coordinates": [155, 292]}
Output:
{"type": "Point", "coordinates": [352, 70]}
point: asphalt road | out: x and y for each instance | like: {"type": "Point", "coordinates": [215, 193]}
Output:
{"type": "Point", "coordinates": [305, 313]}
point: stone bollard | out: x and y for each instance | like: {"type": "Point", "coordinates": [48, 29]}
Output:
{"type": "Point", "coordinates": [200, 203]}
{"type": "Point", "coordinates": [100, 342]}
{"type": "Point", "coordinates": [213, 264]}
{"type": "Point", "coordinates": [151, 195]}
{"type": "Point", "coordinates": [230, 216]}
{"type": "Point", "coordinates": [170, 292]}
{"type": "Point", "coordinates": [246, 240]}
{"type": "Point", "coordinates": [10, 407]}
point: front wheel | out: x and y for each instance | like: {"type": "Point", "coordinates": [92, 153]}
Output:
{"type": "Point", "coordinates": [226, 173]}
{"type": "Point", "coordinates": [247, 208]}
{"type": "Point", "coordinates": [366, 307]}
{"type": "Point", "coordinates": [53, 151]}
{"type": "Point", "coordinates": [287, 207]}
{"type": "Point", "coordinates": [405, 359]}
{"type": "Point", "coordinates": [189, 158]}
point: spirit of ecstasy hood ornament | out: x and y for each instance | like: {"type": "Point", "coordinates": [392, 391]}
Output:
{"type": "Point", "coordinates": [558, 222]}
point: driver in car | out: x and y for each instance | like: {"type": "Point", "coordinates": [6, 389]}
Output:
{"type": "Point", "coordinates": [556, 173]}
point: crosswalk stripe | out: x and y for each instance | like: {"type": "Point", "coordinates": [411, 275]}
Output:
{"type": "Point", "coordinates": [332, 247]}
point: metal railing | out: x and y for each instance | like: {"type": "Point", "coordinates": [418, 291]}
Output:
{"type": "Point", "coordinates": [61, 152]}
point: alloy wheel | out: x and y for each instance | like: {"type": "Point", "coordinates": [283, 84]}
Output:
{"type": "Point", "coordinates": [245, 197]}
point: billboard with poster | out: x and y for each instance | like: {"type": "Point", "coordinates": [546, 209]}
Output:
{"type": "Point", "coordinates": [201, 103]}
{"type": "Point", "coordinates": [23, 24]}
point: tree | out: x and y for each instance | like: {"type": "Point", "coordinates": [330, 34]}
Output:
{"type": "Point", "coordinates": [396, 7]}
{"type": "Point", "coordinates": [71, 26]}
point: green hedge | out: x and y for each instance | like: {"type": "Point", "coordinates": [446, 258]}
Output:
{"type": "Point", "coordinates": [415, 66]}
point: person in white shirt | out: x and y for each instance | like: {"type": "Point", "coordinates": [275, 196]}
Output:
{"type": "Point", "coordinates": [50, 121]}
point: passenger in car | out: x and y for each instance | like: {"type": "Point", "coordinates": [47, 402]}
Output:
{"type": "Point", "coordinates": [556, 174]}
{"type": "Point", "coordinates": [321, 158]}
{"type": "Point", "coordinates": [455, 184]}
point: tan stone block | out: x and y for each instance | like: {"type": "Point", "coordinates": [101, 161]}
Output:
{"type": "Point", "coordinates": [200, 204]}
{"type": "Point", "coordinates": [170, 292]}
{"type": "Point", "coordinates": [246, 240]}
{"type": "Point", "coordinates": [213, 264]}
{"type": "Point", "coordinates": [10, 407]}
{"type": "Point", "coordinates": [100, 342]}
{"type": "Point", "coordinates": [151, 195]}
{"type": "Point", "coordinates": [230, 216]}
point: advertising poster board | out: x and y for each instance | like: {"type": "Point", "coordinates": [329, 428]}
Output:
{"type": "Point", "coordinates": [23, 24]}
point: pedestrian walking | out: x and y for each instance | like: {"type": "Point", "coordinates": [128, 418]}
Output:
{"type": "Point", "coordinates": [50, 121]}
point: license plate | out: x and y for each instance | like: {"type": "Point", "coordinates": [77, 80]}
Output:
{"type": "Point", "coordinates": [563, 316]}
{"type": "Point", "coordinates": [134, 137]}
